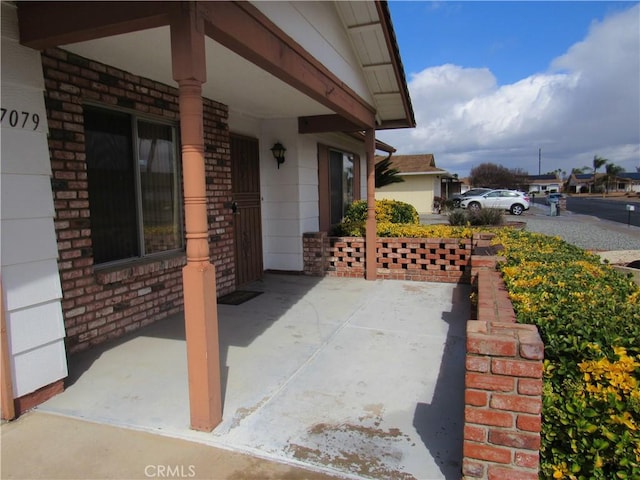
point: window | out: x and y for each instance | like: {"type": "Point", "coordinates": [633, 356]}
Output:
{"type": "Point", "coordinates": [134, 193]}
{"type": "Point", "coordinates": [339, 184]}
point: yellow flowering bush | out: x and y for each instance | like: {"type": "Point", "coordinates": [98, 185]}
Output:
{"type": "Point", "coordinates": [589, 319]}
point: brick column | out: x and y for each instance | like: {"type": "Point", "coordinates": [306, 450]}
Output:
{"type": "Point", "coordinates": [199, 278]}
{"type": "Point", "coordinates": [314, 255]}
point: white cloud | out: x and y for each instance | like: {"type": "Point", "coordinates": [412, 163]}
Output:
{"type": "Point", "coordinates": [587, 103]}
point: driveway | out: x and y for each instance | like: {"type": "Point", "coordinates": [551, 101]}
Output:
{"type": "Point", "coordinates": [362, 379]}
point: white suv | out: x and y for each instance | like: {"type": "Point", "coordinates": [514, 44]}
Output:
{"type": "Point", "coordinates": [511, 200]}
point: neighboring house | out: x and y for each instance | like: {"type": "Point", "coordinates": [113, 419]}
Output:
{"type": "Point", "coordinates": [629, 181]}
{"type": "Point", "coordinates": [544, 184]}
{"type": "Point", "coordinates": [423, 181]}
{"type": "Point", "coordinates": [465, 185]}
{"type": "Point", "coordinates": [582, 182]}
{"type": "Point", "coordinates": [139, 175]}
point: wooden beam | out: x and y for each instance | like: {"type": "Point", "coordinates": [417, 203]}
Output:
{"type": "Point", "coordinates": [371, 256]}
{"type": "Point", "coordinates": [392, 45]}
{"type": "Point", "coordinates": [51, 24]}
{"type": "Point", "coordinates": [242, 28]}
{"type": "Point", "coordinates": [326, 123]}
{"type": "Point", "coordinates": [6, 378]}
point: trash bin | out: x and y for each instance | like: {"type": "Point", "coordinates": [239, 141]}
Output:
{"type": "Point", "coordinates": [553, 209]}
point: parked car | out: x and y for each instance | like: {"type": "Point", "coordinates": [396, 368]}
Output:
{"type": "Point", "coordinates": [458, 197]}
{"type": "Point", "coordinates": [553, 198]}
{"type": "Point", "coordinates": [513, 201]}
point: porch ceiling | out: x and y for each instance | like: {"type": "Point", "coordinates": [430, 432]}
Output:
{"type": "Point", "coordinates": [252, 64]}
{"type": "Point", "coordinates": [231, 79]}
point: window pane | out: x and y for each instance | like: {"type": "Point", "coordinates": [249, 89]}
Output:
{"type": "Point", "coordinates": [159, 188]}
{"type": "Point", "coordinates": [347, 182]}
{"type": "Point", "coordinates": [111, 185]}
{"type": "Point", "coordinates": [335, 186]}
{"type": "Point", "coordinates": [341, 183]}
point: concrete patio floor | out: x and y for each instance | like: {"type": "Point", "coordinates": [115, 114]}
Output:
{"type": "Point", "coordinates": [355, 378]}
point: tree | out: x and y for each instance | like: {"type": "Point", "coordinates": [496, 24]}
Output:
{"type": "Point", "coordinates": [612, 172]}
{"type": "Point", "coordinates": [574, 171]}
{"type": "Point", "coordinates": [385, 175]}
{"type": "Point", "coordinates": [491, 175]}
{"type": "Point", "coordinates": [597, 163]}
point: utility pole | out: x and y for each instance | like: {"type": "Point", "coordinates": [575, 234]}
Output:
{"type": "Point", "coordinates": [539, 160]}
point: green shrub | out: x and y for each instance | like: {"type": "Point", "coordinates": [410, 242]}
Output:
{"type": "Point", "coordinates": [386, 211]}
{"type": "Point", "coordinates": [487, 216]}
{"type": "Point", "coordinates": [589, 320]}
{"type": "Point", "coordinates": [482, 217]}
{"type": "Point", "coordinates": [458, 218]}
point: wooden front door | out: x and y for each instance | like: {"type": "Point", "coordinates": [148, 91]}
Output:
{"type": "Point", "coordinates": [245, 178]}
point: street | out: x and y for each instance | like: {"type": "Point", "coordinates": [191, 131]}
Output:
{"type": "Point", "coordinates": [614, 210]}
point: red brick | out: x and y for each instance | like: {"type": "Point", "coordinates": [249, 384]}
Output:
{"type": "Point", "coordinates": [482, 381]}
{"type": "Point", "coordinates": [527, 386]}
{"type": "Point", "coordinates": [525, 441]}
{"type": "Point", "coordinates": [527, 460]}
{"type": "Point", "coordinates": [496, 472]}
{"type": "Point", "coordinates": [488, 417]}
{"type": "Point", "coordinates": [475, 398]}
{"type": "Point", "coordinates": [472, 469]}
{"type": "Point", "coordinates": [486, 452]}
{"type": "Point", "coordinates": [529, 423]}
{"type": "Point", "coordinates": [491, 345]}
{"type": "Point", "coordinates": [516, 403]}
{"type": "Point", "coordinates": [516, 368]}
{"type": "Point", "coordinates": [475, 433]}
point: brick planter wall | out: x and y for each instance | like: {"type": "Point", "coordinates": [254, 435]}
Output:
{"type": "Point", "coordinates": [503, 386]}
{"type": "Point", "coordinates": [101, 304]}
{"type": "Point", "coordinates": [446, 260]}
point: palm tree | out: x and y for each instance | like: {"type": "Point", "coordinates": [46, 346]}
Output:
{"type": "Point", "coordinates": [612, 172]}
{"type": "Point", "coordinates": [385, 175]}
{"type": "Point", "coordinates": [597, 163]}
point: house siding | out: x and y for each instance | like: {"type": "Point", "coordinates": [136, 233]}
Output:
{"type": "Point", "coordinates": [31, 286]}
{"type": "Point", "coordinates": [104, 303]}
{"type": "Point", "coordinates": [417, 190]}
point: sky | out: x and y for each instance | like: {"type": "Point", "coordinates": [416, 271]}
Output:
{"type": "Point", "coordinates": [538, 86]}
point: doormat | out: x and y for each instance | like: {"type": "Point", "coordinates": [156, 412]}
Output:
{"type": "Point", "coordinates": [238, 297]}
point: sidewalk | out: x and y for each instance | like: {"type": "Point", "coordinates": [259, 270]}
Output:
{"type": "Point", "coordinates": [46, 446]}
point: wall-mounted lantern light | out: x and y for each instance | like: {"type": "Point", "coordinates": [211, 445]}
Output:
{"type": "Point", "coordinates": [278, 152]}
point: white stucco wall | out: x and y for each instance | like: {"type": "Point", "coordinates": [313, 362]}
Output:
{"type": "Point", "coordinates": [290, 194]}
{"type": "Point", "coordinates": [417, 190]}
{"type": "Point", "coordinates": [28, 248]}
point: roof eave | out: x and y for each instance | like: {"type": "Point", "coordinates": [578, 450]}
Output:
{"type": "Point", "coordinates": [392, 44]}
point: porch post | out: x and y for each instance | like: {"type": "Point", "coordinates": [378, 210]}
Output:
{"type": "Point", "coordinates": [371, 259]}
{"type": "Point", "coordinates": [198, 276]}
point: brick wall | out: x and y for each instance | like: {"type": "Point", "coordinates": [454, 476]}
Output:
{"type": "Point", "coordinates": [314, 258]}
{"type": "Point", "coordinates": [101, 304]}
{"type": "Point", "coordinates": [445, 260]}
{"type": "Point", "coordinates": [503, 386]}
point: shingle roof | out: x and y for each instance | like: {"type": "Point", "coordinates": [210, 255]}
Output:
{"type": "Point", "coordinates": [423, 163]}
{"type": "Point", "coordinates": [584, 176]}
{"type": "Point", "coordinates": [535, 178]}
{"type": "Point", "coordinates": [630, 175]}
